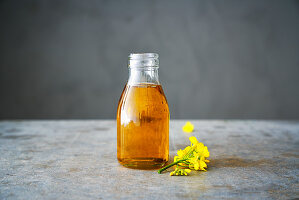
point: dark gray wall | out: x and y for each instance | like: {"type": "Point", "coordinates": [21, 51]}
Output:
{"type": "Point", "coordinates": [218, 59]}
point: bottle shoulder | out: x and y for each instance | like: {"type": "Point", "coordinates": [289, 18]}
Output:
{"type": "Point", "coordinates": [142, 95]}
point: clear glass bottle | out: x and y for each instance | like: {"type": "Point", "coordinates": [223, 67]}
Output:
{"type": "Point", "coordinates": [143, 116]}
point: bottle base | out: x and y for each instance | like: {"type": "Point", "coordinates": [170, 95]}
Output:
{"type": "Point", "coordinates": [143, 163]}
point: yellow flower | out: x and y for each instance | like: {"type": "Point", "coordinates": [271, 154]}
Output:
{"type": "Point", "coordinates": [188, 127]}
{"type": "Point", "coordinates": [192, 157]}
{"type": "Point", "coordinates": [201, 150]}
{"type": "Point", "coordinates": [205, 152]}
{"type": "Point", "coordinates": [180, 172]}
{"type": "Point", "coordinates": [181, 153]}
{"type": "Point", "coordinates": [193, 140]}
{"type": "Point", "coordinates": [202, 164]}
{"type": "Point", "coordinates": [196, 165]}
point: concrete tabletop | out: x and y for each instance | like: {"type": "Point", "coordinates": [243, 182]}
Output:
{"type": "Point", "coordinates": [77, 160]}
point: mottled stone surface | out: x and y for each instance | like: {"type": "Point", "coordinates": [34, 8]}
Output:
{"type": "Point", "coordinates": [77, 160]}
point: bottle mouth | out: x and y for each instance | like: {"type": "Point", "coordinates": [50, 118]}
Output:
{"type": "Point", "coordinates": [143, 60]}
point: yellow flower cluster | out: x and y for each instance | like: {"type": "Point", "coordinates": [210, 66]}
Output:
{"type": "Point", "coordinates": [192, 157]}
{"type": "Point", "coordinates": [188, 127]}
{"type": "Point", "coordinates": [196, 155]}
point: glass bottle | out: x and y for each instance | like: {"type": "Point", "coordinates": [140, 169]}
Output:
{"type": "Point", "coordinates": [143, 116]}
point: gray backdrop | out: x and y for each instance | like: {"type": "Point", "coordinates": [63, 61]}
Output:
{"type": "Point", "coordinates": [218, 59]}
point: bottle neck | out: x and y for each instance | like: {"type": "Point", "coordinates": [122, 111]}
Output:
{"type": "Point", "coordinates": [143, 75]}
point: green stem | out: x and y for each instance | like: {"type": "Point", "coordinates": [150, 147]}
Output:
{"type": "Point", "coordinates": [185, 163]}
{"type": "Point", "coordinates": [170, 165]}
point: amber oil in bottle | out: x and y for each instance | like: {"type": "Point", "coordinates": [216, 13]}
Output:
{"type": "Point", "coordinates": [143, 116]}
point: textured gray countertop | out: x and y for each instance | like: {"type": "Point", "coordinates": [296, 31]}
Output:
{"type": "Point", "coordinates": [77, 160]}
